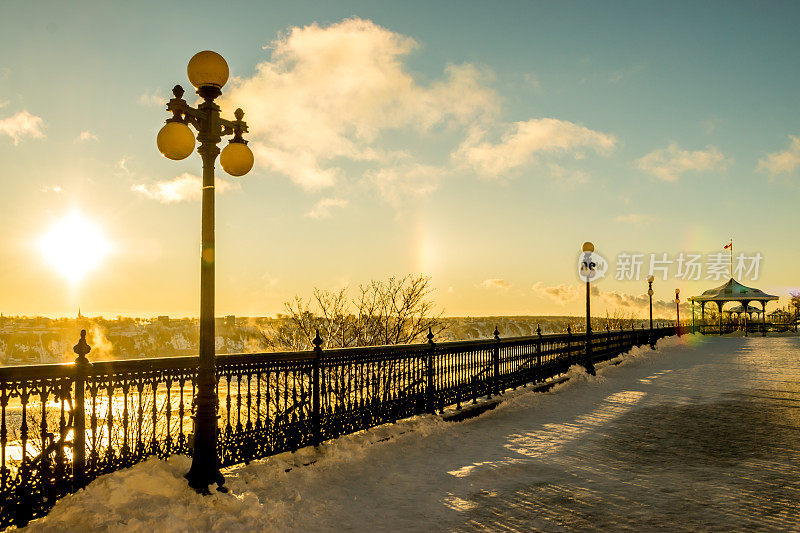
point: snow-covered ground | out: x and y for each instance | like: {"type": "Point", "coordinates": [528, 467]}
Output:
{"type": "Point", "coordinates": [698, 435]}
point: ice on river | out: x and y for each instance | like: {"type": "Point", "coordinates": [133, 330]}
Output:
{"type": "Point", "coordinates": [698, 435]}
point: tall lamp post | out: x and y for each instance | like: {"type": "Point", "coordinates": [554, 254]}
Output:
{"type": "Point", "coordinates": [650, 296]}
{"type": "Point", "coordinates": [678, 310]}
{"type": "Point", "coordinates": [208, 72]}
{"type": "Point", "coordinates": [588, 271]}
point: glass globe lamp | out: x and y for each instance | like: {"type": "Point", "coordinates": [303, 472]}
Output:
{"type": "Point", "coordinates": [236, 159]}
{"type": "Point", "coordinates": [207, 68]}
{"type": "Point", "coordinates": [175, 141]}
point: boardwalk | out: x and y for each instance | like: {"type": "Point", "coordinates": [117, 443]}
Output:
{"type": "Point", "coordinates": [699, 435]}
{"type": "Point", "coordinates": [697, 439]}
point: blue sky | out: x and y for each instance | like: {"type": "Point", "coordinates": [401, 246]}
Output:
{"type": "Point", "coordinates": [522, 129]}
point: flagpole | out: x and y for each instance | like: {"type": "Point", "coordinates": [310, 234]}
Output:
{"type": "Point", "coordinates": [732, 258]}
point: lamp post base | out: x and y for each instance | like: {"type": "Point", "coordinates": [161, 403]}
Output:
{"type": "Point", "coordinates": [201, 475]}
{"type": "Point", "coordinates": [201, 487]}
{"type": "Point", "coordinates": [205, 462]}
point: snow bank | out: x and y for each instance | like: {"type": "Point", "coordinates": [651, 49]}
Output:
{"type": "Point", "coordinates": [153, 495]}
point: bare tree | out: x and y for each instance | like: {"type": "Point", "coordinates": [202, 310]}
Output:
{"type": "Point", "coordinates": [621, 319]}
{"type": "Point", "coordinates": [395, 311]}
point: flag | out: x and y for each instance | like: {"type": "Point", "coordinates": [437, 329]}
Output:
{"type": "Point", "coordinates": [728, 245]}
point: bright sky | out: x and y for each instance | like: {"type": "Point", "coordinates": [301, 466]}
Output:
{"type": "Point", "coordinates": [479, 143]}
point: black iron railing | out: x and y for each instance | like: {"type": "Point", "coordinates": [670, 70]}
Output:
{"type": "Point", "coordinates": [63, 425]}
{"type": "Point", "coordinates": [753, 327]}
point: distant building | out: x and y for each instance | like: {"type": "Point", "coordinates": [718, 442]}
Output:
{"type": "Point", "coordinates": [227, 322]}
{"type": "Point", "coordinates": [163, 320]}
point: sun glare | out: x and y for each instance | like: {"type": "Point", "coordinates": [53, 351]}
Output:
{"type": "Point", "coordinates": [74, 246]}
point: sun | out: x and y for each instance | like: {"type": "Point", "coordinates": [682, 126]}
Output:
{"type": "Point", "coordinates": [74, 246]}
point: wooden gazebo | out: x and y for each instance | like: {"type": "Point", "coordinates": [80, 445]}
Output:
{"type": "Point", "coordinates": [733, 291]}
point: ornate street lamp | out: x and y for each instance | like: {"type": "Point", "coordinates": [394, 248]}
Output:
{"type": "Point", "coordinates": [588, 272]}
{"type": "Point", "coordinates": [678, 310]}
{"type": "Point", "coordinates": [650, 295]}
{"type": "Point", "coordinates": [208, 72]}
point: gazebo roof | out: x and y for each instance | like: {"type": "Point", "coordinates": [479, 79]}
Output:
{"type": "Point", "coordinates": [733, 291]}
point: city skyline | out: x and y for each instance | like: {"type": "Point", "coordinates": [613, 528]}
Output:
{"type": "Point", "coordinates": [480, 147]}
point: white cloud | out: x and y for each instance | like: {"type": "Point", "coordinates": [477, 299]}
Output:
{"type": "Point", "coordinates": [634, 218]}
{"type": "Point", "coordinates": [560, 294]}
{"type": "Point", "coordinates": [619, 75]}
{"type": "Point", "coordinates": [637, 304]}
{"type": "Point", "coordinates": [396, 184]}
{"type": "Point", "coordinates": [269, 281]}
{"type": "Point", "coordinates": [54, 188]}
{"type": "Point", "coordinates": [328, 94]}
{"type": "Point", "coordinates": [335, 104]}
{"type": "Point", "coordinates": [184, 188]}
{"type": "Point", "coordinates": [783, 162]}
{"type": "Point", "coordinates": [621, 299]}
{"type": "Point", "coordinates": [526, 139]}
{"type": "Point", "coordinates": [532, 80]}
{"type": "Point", "coordinates": [86, 136]}
{"type": "Point", "coordinates": [154, 99]}
{"type": "Point", "coordinates": [710, 125]}
{"type": "Point", "coordinates": [564, 294]}
{"type": "Point", "coordinates": [670, 163]}
{"type": "Point", "coordinates": [322, 209]}
{"type": "Point", "coordinates": [122, 164]}
{"type": "Point", "coordinates": [22, 124]}
{"type": "Point", "coordinates": [495, 283]}
{"type": "Point", "coordinates": [568, 179]}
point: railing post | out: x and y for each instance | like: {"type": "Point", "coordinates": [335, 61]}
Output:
{"type": "Point", "coordinates": [82, 366]}
{"type": "Point", "coordinates": [588, 364]}
{"type": "Point", "coordinates": [569, 343]}
{"type": "Point", "coordinates": [538, 350]}
{"type": "Point", "coordinates": [315, 387]}
{"type": "Point", "coordinates": [496, 361]}
{"type": "Point", "coordinates": [430, 391]}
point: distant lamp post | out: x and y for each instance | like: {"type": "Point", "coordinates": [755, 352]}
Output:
{"type": "Point", "coordinates": [588, 272]}
{"type": "Point", "coordinates": [650, 296]}
{"type": "Point", "coordinates": [796, 315]}
{"type": "Point", "coordinates": [208, 72]}
{"type": "Point", "coordinates": [678, 310]}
